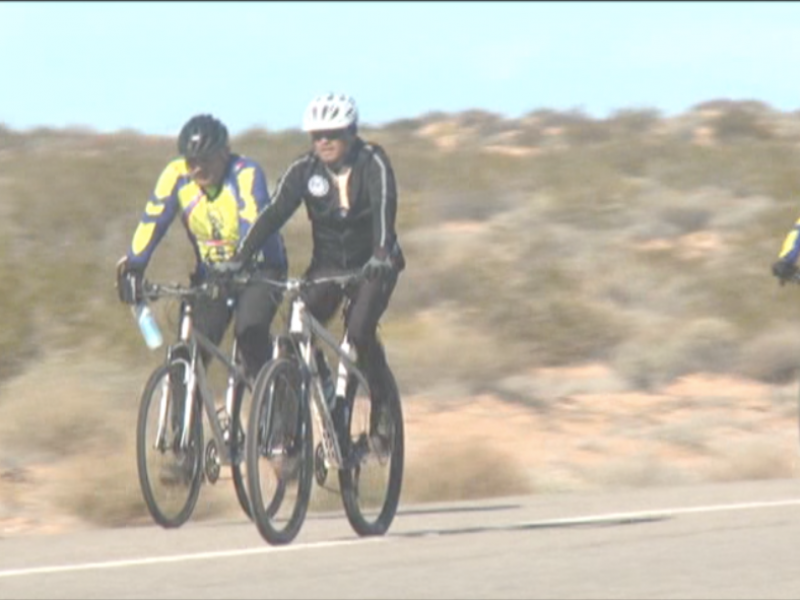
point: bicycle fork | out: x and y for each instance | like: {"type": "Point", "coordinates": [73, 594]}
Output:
{"type": "Point", "coordinates": [190, 383]}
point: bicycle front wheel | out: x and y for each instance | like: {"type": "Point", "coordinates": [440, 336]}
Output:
{"type": "Point", "coordinates": [169, 475]}
{"type": "Point", "coordinates": [279, 452]}
{"type": "Point", "coordinates": [372, 476]}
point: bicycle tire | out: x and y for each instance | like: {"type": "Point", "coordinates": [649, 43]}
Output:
{"type": "Point", "coordinates": [196, 442]}
{"type": "Point", "coordinates": [349, 475]}
{"type": "Point", "coordinates": [262, 411]}
{"type": "Point", "coordinates": [238, 475]}
{"type": "Point", "coordinates": [237, 452]}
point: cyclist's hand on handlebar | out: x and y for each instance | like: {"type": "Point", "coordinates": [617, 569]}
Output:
{"type": "Point", "coordinates": [784, 270]}
{"type": "Point", "coordinates": [130, 283]}
{"type": "Point", "coordinates": [377, 268]}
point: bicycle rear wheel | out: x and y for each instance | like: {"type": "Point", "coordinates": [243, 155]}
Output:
{"type": "Point", "coordinates": [372, 476]}
{"type": "Point", "coordinates": [279, 451]}
{"type": "Point", "coordinates": [169, 477]}
{"type": "Point", "coordinates": [242, 402]}
{"type": "Point", "coordinates": [242, 408]}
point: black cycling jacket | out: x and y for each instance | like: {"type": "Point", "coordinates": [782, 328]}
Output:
{"type": "Point", "coordinates": [347, 228]}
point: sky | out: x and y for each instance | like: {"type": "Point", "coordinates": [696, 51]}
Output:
{"type": "Point", "coordinates": [149, 66]}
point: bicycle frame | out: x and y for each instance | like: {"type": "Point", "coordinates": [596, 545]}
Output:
{"type": "Point", "coordinates": [196, 380]}
{"type": "Point", "coordinates": [304, 328]}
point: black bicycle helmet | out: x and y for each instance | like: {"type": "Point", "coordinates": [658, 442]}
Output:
{"type": "Point", "coordinates": [202, 136]}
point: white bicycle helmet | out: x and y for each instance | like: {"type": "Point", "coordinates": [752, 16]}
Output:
{"type": "Point", "coordinates": [331, 111]}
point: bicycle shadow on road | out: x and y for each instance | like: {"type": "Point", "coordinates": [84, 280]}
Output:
{"type": "Point", "coordinates": [422, 510]}
{"type": "Point", "coordinates": [526, 526]}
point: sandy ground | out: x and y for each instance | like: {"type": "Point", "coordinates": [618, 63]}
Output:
{"type": "Point", "coordinates": [562, 431]}
{"type": "Point", "coordinates": [700, 428]}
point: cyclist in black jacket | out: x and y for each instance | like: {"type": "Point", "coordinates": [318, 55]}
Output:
{"type": "Point", "coordinates": [350, 195]}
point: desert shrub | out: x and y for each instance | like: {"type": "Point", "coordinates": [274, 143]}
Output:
{"type": "Point", "coordinates": [17, 341]}
{"type": "Point", "coordinates": [403, 125]}
{"type": "Point", "coordinates": [468, 470]}
{"type": "Point", "coordinates": [67, 402]}
{"type": "Point", "coordinates": [633, 122]}
{"type": "Point", "coordinates": [752, 460]}
{"type": "Point", "coordinates": [736, 124]}
{"type": "Point", "coordinates": [772, 357]}
{"type": "Point", "coordinates": [587, 190]}
{"type": "Point", "coordinates": [642, 471]}
{"type": "Point", "coordinates": [660, 355]}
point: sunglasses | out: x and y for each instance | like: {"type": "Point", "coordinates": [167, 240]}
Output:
{"type": "Point", "coordinates": [331, 135]}
{"type": "Point", "coordinates": [203, 162]}
{"type": "Point", "coordinates": [199, 163]}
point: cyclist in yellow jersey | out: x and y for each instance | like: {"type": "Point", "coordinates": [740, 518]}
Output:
{"type": "Point", "coordinates": [218, 195]}
{"type": "Point", "coordinates": [786, 265]}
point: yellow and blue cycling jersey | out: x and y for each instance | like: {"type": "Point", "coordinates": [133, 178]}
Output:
{"type": "Point", "coordinates": [214, 226]}
{"type": "Point", "coordinates": [790, 250]}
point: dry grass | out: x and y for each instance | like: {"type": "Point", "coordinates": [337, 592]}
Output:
{"type": "Point", "coordinates": [462, 470]}
{"type": "Point", "coordinates": [771, 357]}
{"type": "Point", "coordinates": [640, 471]}
{"type": "Point", "coordinates": [528, 278]}
{"type": "Point", "coordinates": [473, 355]}
{"type": "Point", "coordinates": [102, 487]}
{"type": "Point", "coordinates": [66, 404]}
{"type": "Point", "coordinates": [660, 355]}
{"type": "Point", "coordinates": [753, 460]}
{"type": "Point", "coordinates": [693, 435]}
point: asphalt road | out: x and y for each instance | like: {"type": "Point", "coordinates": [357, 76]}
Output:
{"type": "Point", "coordinates": [738, 540]}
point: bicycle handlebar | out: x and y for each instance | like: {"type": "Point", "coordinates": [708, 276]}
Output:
{"type": "Point", "coordinates": [214, 285]}
{"type": "Point", "coordinates": [300, 283]}
{"type": "Point", "coordinates": [154, 291]}
{"type": "Point", "coordinates": [217, 283]}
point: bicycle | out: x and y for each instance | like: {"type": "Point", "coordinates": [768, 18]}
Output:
{"type": "Point", "coordinates": [178, 424]}
{"type": "Point", "coordinates": [287, 394]}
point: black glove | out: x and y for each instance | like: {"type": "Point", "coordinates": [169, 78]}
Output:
{"type": "Point", "coordinates": [377, 268]}
{"type": "Point", "coordinates": [784, 270]}
{"type": "Point", "coordinates": [129, 283]}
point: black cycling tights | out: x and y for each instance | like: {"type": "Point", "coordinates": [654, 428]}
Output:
{"type": "Point", "coordinates": [368, 303]}
{"type": "Point", "coordinates": [254, 310]}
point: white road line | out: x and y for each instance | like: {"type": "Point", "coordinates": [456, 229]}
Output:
{"type": "Point", "coordinates": [158, 560]}
{"type": "Point", "coordinates": [588, 519]}
{"type": "Point", "coordinates": [665, 512]}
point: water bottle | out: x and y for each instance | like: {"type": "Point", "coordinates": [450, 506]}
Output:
{"type": "Point", "coordinates": [148, 326]}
